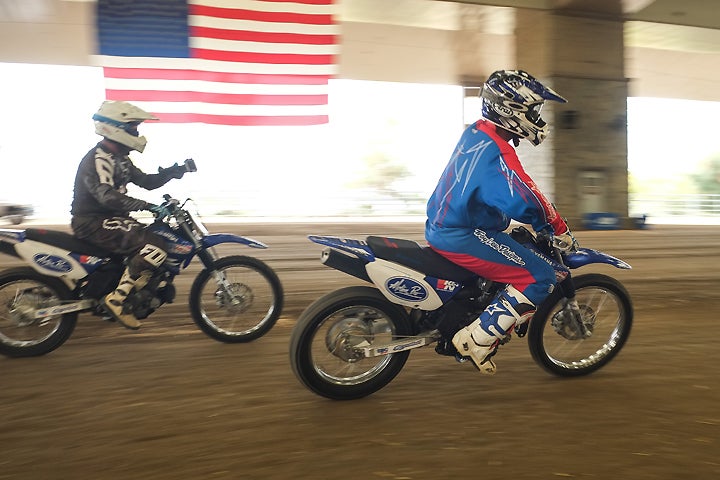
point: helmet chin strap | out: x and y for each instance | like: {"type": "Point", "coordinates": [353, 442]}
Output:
{"type": "Point", "coordinates": [508, 135]}
{"type": "Point", "coordinates": [116, 147]}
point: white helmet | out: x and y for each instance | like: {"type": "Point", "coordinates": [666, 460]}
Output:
{"type": "Point", "coordinates": [118, 121]}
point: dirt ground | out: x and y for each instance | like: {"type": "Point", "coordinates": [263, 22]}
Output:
{"type": "Point", "coordinates": [167, 402]}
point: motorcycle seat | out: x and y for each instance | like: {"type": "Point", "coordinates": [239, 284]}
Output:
{"type": "Point", "coordinates": [66, 241]}
{"type": "Point", "coordinates": [421, 258]}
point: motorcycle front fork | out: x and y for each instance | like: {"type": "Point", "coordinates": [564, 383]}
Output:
{"type": "Point", "coordinates": [571, 309]}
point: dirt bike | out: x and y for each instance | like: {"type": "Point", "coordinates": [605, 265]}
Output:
{"type": "Point", "coordinates": [352, 342]}
{"type": "Point", "coordinates": [233, 299]}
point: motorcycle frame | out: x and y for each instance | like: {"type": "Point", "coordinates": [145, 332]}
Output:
{"type": "Point", "coordinates": [356, 258]}
{"type": "Point", "coordinates": [186, 240]}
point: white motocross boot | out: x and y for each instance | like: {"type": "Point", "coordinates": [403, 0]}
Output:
{"type": "Point", "coordinates": [113, 302]}
{"type": "Point", "coordinates": [480, 339]}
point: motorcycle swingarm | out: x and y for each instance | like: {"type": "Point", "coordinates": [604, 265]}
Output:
{"type": "Point", "coordinates": [400, 345]}
{"type": "Point", "coordinates": [65, 308]}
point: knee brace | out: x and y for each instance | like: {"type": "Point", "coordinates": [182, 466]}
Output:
{"type": "Point", "coordinates": [149, 257]}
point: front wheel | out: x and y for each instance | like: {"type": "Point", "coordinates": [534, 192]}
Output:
{"type": "Point", "coordinates": [238, 299]}
{"type": "Point", "coordinates": [571, 344]}
{"type": "Point", "coordinates": [327, 342]}
{"type": "Point", "coordinates": [22, 292]}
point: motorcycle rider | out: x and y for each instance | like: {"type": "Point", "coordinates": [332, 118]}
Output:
{"type": "Point", "coordinates": [482, 188]}
{"type": "Point", "coordinates": [101, 207]}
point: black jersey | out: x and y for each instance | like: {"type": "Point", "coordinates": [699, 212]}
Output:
{"type": "Point", "coordinates": [101, 184]}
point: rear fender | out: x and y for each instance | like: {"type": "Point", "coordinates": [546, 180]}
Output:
{"type": "Point", "coordinates": [8, 238]}
{"type": "Point", "coordinates": [359, 248]}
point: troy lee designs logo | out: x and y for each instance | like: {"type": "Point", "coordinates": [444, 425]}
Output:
{"type": "Point", "coordinates": [503, 250]}
{"type": "Point", "coordinates": [406, 288]}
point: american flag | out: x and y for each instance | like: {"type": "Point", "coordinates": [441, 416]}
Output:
{"type": "Point", "coordinates": [228, 62]}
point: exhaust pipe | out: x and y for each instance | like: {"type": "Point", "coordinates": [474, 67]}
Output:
{"type": "Point", "coordinates": [349, 264]}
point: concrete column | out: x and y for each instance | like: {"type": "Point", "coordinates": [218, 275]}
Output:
{"type": "Point", "coordinates": [583, 164]}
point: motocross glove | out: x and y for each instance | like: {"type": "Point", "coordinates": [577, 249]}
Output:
{"type": "Point", "coordinates": [160, 211]}
{"type": "Point", "coordinates": [175, 171]}
{"type": "Point", "coordinates": [565, 242]}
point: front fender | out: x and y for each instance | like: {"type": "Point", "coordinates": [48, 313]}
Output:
{"type": "Point", "coordinates": [218, 238]}
{"type": "Point", "coordinates": [586, 256]}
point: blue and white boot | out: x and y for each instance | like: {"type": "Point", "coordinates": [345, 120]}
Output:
{"type": "Point", "coordinates": [480, 339]}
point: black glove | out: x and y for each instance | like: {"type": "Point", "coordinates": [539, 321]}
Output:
{"type": "Point", "coordinates": [176, 171]}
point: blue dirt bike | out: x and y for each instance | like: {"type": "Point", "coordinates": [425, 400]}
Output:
{"type": "Point", "coordinates": [233, 299]}
{"type": "Point", "coordinates": [355, 340]}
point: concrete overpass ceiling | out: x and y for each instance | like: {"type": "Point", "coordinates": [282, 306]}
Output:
{"type": "Point", "coordinates": [672, 46]}
{"type": "Point", "coordinates": [687, 25]}
{"type": "Point", "coordinates": [695, 13]}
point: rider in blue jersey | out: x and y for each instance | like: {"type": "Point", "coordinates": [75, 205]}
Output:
{"type": "Point", "coordinates": [482, 189]}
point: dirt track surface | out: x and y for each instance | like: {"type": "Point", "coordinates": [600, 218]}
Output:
{"type": "Point", "coordinates": [167, 402]}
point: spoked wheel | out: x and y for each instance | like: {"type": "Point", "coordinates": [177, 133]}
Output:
{"type": "Point", "coordinates": [22, 292]}
{"type": "Point", "coordinates": [326, 346]}
{"type": "Point", "coordinates": [238, 300]}
{"type": "Point", "coordinates": [567, 343]}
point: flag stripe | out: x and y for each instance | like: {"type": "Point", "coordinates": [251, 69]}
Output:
{"type": "Point", "coordinates": [234, 24]}
{"type": "Point", "coordinates": [215, 87]}
{"type": "Point", "coordinates": [260, 47]}
{"type": "Point", "coordinates": [253, 57]}
{"type": "Point", "coordinates": [214, 66]}
{"type": "Point", "coordinates": [112, 73]}
{"type": "Point", "coordinates": [307, 2]}
{"type": "Point", "coordinates": [244, 121]}
{"type": "Point", "coordinates": [300, 6]}
{"type": "Point", "coordinates": [259, 16]}
{"type": "Point", "coordinates": [228, 109]}
{"type": "Point", "coordinates": [209, 97]}
{"type": "Point", "coordinates": [268, 37]}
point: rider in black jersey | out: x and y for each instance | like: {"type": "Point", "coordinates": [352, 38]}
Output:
{"type": "Point", "coordinates": [101, 207]}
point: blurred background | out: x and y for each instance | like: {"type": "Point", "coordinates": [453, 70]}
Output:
{"type": "Point", "coordinates": [635, 145]}
{"type": "Point", "coordinates": [404, 86]}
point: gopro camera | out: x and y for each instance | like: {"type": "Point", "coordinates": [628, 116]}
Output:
{"type": "Point", "coordinates": [190, 165]}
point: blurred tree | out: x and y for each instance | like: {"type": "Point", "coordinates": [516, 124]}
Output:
{"type": "Point", "coordinates": [708, 179]}
{"type": "Point", "coordinates": [380, 174]}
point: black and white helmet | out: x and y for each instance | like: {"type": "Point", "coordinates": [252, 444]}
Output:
{"type": "Point", "coordinates": [513, 99]}
{"type": "Point", "coordinates": [118, 121]}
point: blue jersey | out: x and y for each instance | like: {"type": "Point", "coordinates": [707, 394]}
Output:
{"type": "Point", "coordinates": [485, 186]}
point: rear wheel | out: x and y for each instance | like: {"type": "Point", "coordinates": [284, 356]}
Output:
{"type": "Point", "coordinates": [567, 344]}
{"type": "Point", "coordinates": [22, 292]}
{"type": "Point", "coordinates": [327, 342]}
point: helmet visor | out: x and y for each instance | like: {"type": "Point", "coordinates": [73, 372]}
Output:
{"type": "Point", "coordinates": [131, 128]}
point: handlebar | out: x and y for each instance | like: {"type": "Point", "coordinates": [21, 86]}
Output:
{"type": "Point", "coordinates": [546, 238]}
